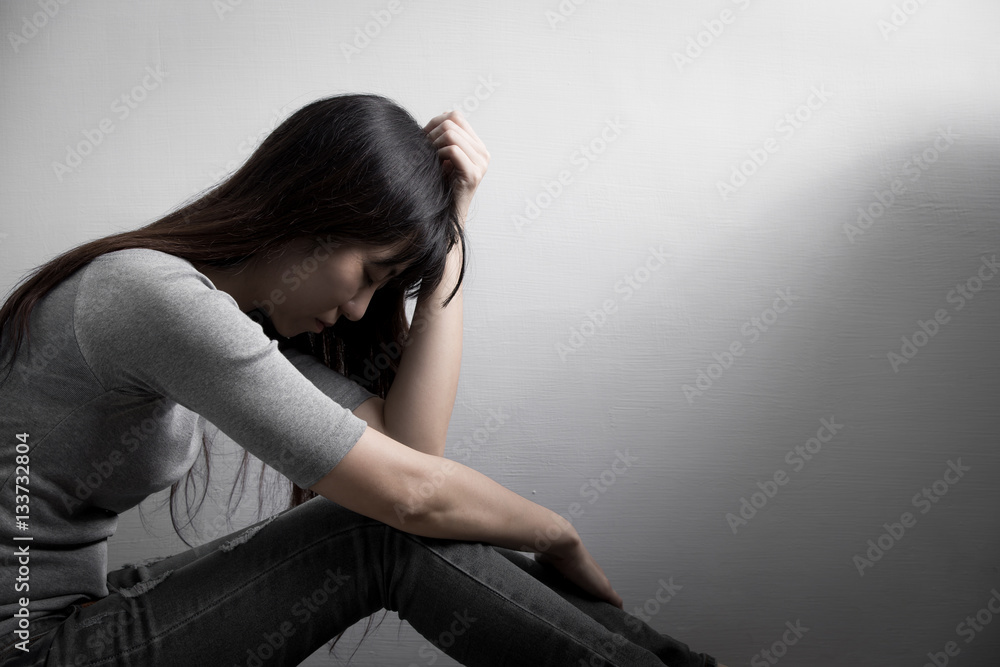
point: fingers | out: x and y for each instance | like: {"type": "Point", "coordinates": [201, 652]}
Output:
{"type": "Point", "coordinates": [587, 575]}
{"type": "Point", "coordinates": [472, 172]}
{"type": "Point", "coordinates": [611, 595]}
{"type": "Point", "coordinates": [451, 128]}
{"type": "Point", "coordinates": [456, 117]}
{"type": "Point", "coordinates": [608, 594]}
{"type": "Point", "coordinates": [477, 156]}
{"type": "Point", "coordinates": [463, 155]}
{"type": "Point", "coordinates": [618, 602]}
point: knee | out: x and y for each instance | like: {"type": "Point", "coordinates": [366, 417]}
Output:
{"type": "Point", "coordinates": [322, 513]}
{"type": "Point", "coordinates": [429, 558]}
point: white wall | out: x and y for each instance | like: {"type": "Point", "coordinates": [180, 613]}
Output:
{"type": "Point", "coordinates": [682, 128]}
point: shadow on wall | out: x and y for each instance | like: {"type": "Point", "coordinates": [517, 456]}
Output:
{"type": "Point", "coordinates": [897, 339]}
{"type": "Point", "coordinates": [901, 294]}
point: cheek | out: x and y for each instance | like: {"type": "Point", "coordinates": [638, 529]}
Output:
{"type": "Point", "coordinates": [308, 300]}
{"type": "Point", "coordinates": [317, 295]}
{"type": "Point", "coordinates": [332, 285]}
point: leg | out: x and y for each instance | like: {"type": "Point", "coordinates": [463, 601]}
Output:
{"type": "Point", "coordinates": [270, 594]}
{"type": "Point", "coordinates": [515, 611]}
{"type": "Point", "coordinates": [664, 647]}
{"type": "Point", "coordinates": [282, 588]}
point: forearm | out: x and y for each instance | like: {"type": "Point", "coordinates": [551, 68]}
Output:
{"type": "Point", "coordinates": [432, 496]}
{"type": "Point", "coordinates": [419, 404]}
{"type": "Point", "coordinates": [467, 505]}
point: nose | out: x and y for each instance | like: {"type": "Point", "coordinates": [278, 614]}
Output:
{"type": "Point", "coordinates": [355, 309]}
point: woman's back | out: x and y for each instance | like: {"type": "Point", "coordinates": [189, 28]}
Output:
{"type": "Point", "coordinates": [132, 356]}
{"type": "Point", "coordinates": [127, 359]}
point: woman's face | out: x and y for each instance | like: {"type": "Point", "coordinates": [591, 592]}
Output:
{"type": "Point", "coordinates": [309, 287]}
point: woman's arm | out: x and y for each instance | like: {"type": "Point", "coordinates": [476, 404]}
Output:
{"type": "Point", "coordinates": [431, 496]}
{"type": "Point", "coordinates": [418, 407]}
{"type": "Point", "coordinates": [419, 404]}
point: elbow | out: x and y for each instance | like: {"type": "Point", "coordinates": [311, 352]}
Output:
{"type": "Point", "coordinates": [422, 437]}
{"type": "Point", "coordinates": [434, 448]}
{"type": "Point", "coordinates": [433, 445]}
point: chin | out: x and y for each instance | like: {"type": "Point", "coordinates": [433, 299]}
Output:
{"type": "Point", "coordinates": [279, 328]}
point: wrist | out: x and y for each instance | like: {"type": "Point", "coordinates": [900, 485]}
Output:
{"type": "Point", "coordinates": [564, 538]}
{"type": "Point", "coordinates": [462, 211]}
{"type": "Point", "coordinates": [449, 278]}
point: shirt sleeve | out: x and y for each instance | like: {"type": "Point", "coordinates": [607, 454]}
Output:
{"type": "Point", "coordinates": [148, 321]}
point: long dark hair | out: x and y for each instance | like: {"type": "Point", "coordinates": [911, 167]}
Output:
{"type": "Point", "coordinates": [354, 169]}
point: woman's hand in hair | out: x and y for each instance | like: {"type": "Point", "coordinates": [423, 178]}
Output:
{"type": "Point", "coordinates": [464, 156]}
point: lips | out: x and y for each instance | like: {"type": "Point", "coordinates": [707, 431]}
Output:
{"type": "Point", "coordinates": [322, 324]}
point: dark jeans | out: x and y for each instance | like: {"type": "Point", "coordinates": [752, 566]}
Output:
{"type": "Point", "coordinates": [273, 593]}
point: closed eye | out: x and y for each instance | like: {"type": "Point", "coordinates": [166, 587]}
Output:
{"type": "Point", "coordinates": [389, 276]}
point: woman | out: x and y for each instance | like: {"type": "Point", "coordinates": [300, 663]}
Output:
{"type": "Point", "coordinates": [226, 314]}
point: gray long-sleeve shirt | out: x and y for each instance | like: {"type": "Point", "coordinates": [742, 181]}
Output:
{"type": "Point", "coordinates": [129, 359]}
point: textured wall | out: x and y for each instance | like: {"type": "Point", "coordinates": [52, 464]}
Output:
{"type": "Point", "coordinates": [706, 231]}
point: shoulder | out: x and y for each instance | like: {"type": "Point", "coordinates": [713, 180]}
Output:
{"type": "Point", "coordinates": [146, 286]}
{"type": "Point", "coordinates": [140, 313]}
{"type": "Point", "coordinates": [141, 273]}
{"type": "Point", "coordinates": [139, 261]}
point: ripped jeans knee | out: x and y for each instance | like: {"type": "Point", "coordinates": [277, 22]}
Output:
{"type": "Point", "coordinates": [245, 536]}
{"type": "Point", "coordinates": [134, 579]}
